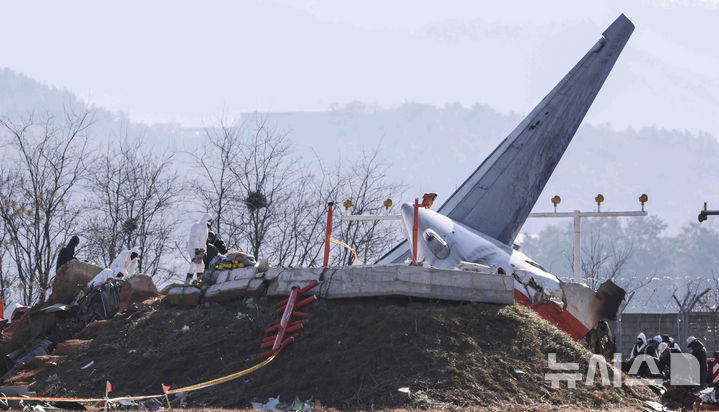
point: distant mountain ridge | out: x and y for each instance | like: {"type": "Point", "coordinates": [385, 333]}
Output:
{"type": "Point", "coordinates": [21, 96]}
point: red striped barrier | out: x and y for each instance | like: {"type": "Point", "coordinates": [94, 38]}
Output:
{"type": "Point", "coordinates": [285, 325]}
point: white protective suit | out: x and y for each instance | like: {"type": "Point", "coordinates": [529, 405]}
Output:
{"type": "Point", "coordinates": [101, 278]}
{"type": "Point", "coordinates": [122, 264]}
{"type": "Point", "coordinates": [198, 240]}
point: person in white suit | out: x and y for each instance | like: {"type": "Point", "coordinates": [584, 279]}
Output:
{"type": "Point", "coordinates": [124, 265]}
{"type": "Point", "coordinates": [197, 246]}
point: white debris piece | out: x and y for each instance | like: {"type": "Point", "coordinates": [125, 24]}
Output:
{"type": "Point", "coordinates": [271, 404]}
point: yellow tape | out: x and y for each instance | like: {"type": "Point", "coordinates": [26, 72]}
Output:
{"type": "Point", "coordinates": [132, 398]}
{"type": "Point", "coordinates": [45, 399]}
{"type": "Point", "coordinates": [347, 246]}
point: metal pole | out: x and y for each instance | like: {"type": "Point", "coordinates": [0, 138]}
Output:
{"type": "Point", "coordinates": [619, 332]}
{"type": "Point", "coordinates": [327, 234]}
{"type": "Point", "coordinates": [680, 339]}
{"type": "Point", "coordinates": [361, 218]}
{"type": "Point", "coordinates": [619, 320]}
{"type": "Point", "coordinates": [414, 230]}
{"type": "Point", "coordinates": [679, 319]}
{"type": "Point", "coordinates": [577, 246]}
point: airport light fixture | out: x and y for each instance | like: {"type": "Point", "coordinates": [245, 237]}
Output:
{"type": "Point", "coordinates": [555, 201]}
{"type": "Point", "coordinates": [387, 204]}
{"type": "Point", "coordinates": [577, 215]}
{"type": "Point", "coordinates": [704, 213]}
{"type": "Point", "coordinates": [599, 199]}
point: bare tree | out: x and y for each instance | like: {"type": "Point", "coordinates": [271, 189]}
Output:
{"type": "Point", "coordinates": [7, 280]}
{"type": "Point", "coordinates": [366, 185]}
{"type": "Point", "coordinates": [35, 207]}
{"type": "Point", "coordinates": [594, 258]}
{"type": "Point", "coordinates": [299, 238]}
{"type": "Point", "coordinates": [247, 176]}
{"type": "Point", "coordinates": [619, 255]}
{"type": "Point", "coordinates": [265, 172]}
{"type": "Point", "coordinates": [602, 260]}
{"type": "Point", "coordinates": [217, 185]}
{"type": "Point", "coordinates": [133, 194]}
{"type": "Point", "coordinates": [262, 195]}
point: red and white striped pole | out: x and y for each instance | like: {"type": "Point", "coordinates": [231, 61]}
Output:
{"type": "Point", "coordinates": [715, 368]}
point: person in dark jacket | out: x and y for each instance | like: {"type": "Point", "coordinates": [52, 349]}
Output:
{"type": "Point", "coordinates": [210, 252]}
{"type": "Point", "coordinates": [218, 242]}
{"type": "Point", "coordinates": [697, 349]}
{"type": "Point", "coordinates": [650, 350]}
{"type": "Point", "coordinates": [652, 347]}
{"type": "Point", "coordinates": [664, 363]}
{"type": "Point", "coordinates": [67, 253]}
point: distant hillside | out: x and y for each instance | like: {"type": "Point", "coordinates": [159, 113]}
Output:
{"type": "Point", "coordinates": [434, 149]}
{"type": "Point", "coordinates": [21, 96]}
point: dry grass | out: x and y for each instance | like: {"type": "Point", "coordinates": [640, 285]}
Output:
{"type": "Point", "coordinates": [353, 354]}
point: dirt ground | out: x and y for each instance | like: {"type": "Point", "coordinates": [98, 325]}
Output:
{"type": "Point", "coordinates": [353, 354]}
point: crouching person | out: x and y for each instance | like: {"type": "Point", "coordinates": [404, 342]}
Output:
{"type": "Point", "coordinates": [124, 265]}
{"type": "Point", "coordinates": [639, 348]}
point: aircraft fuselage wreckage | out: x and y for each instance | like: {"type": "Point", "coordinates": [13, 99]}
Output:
{"type": "Point", "coordinates": [480, 221]}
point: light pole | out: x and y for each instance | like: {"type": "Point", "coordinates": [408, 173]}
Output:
{"type": "Point", "coordinates": [576, 215]}
{"type": "Point", "coordinates": [704, 213]}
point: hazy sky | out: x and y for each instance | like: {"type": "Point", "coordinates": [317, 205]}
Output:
{"type": "Point", "coordinates": [189, 62]}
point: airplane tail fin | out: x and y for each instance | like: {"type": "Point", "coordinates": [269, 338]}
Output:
{"type": "Point", "coordinates": [499, 195]}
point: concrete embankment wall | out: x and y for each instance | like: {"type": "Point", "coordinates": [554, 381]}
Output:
{"type": "Point", "coordinates": [370, 280]}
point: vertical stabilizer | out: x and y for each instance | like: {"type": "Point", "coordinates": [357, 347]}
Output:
{"type": "Point", "coordinates": [497, 198]}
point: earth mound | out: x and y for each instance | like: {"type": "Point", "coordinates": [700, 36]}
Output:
{"type": "Point", "coordinates": [353, 354]}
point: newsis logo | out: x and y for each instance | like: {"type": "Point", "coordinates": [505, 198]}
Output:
{"type": "Point", "coordinates": [684, 371]}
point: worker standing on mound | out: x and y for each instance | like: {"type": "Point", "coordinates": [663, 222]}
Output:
{"type": "Point", "coordinates": [67, 253]}
{"type": "Point", "coordinates": [211, 251]}
{"type": "Point", "coordinates": [218, 242]}
{"type": "Point", "coordinates": [124, 265]}
{"type": "Point", "coordinates": [196, 246]}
